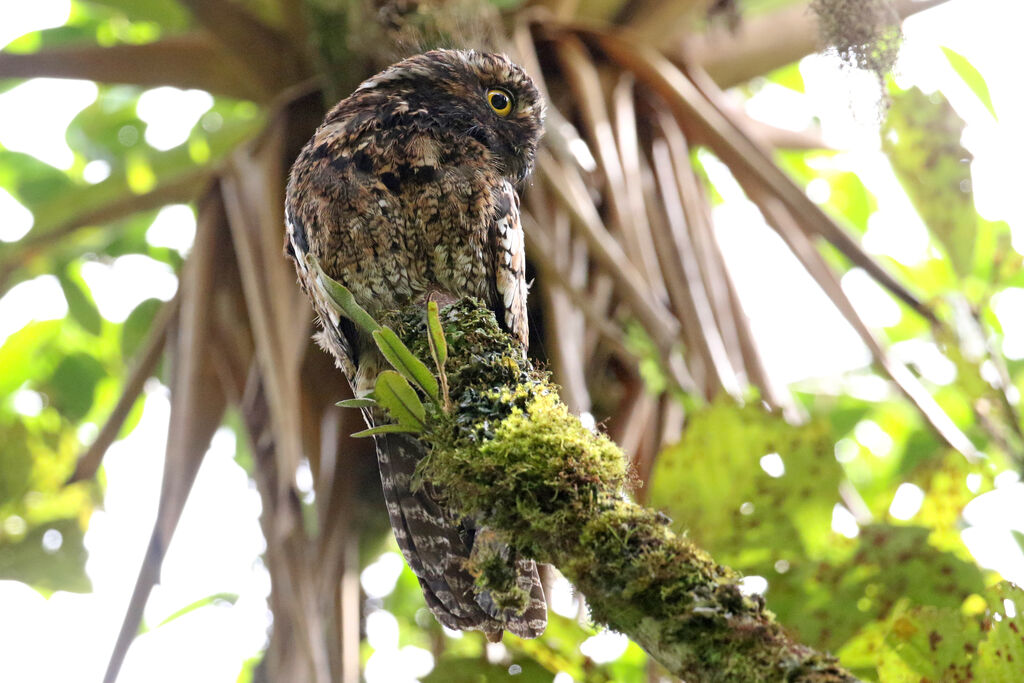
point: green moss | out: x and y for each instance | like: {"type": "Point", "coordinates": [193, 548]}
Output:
{"type": "Point", "coordinates": [524, 461]}
{"type": "Point", "coordinates": [491, 566]}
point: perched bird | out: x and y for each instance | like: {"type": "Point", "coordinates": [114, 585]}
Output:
{"type": "Point", "coordinates": [408, 191]}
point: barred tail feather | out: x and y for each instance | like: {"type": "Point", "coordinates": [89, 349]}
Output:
{"type": "Point", "coordinates": [436, 546]}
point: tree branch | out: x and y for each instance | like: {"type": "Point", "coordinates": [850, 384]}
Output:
{"type": "Point", "coordinates": [186, 61]}
{"type": "Point", "coordinates": [766, 42]}
{"type": "Point", "coordinates": [270, 54]}
{"type": "Point", "coordinates": [512, 457]}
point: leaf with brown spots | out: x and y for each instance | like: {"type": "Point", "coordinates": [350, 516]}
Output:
{"type": "Point", "coordinates": [921, 137]}
{"type": "Point", "coordinates": [931, 643]}
{"type": "Point", "coordinates": [1001, 655]}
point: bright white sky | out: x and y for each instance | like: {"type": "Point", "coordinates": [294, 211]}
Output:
{"type": "Point", "coordinates": [218, 543]}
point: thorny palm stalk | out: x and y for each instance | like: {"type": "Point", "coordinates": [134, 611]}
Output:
{"type": "Point", "coordinates": [618, 230]}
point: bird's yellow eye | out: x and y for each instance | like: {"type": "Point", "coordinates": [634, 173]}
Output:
{"type": "Point", "coordinates": [500, 101]}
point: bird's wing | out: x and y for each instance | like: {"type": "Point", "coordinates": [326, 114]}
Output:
{"type": "Point", "coordinates": [510, 263]}
{"type": "Point", "coordinates": [338, 335]}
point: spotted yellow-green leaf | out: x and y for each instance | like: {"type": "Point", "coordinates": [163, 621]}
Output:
{"type": "Point", "coordinates": [1001, 655]}
{"type": "Point", "coordinates": [921, 137]}
{"type": "Point", "coordinates": [931, 643]}
{"type": "Point", "coordinates": [791, 509]}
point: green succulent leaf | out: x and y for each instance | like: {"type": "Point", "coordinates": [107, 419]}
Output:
{"type": "Point", "coordinates": [403, 360]}
{"type": "Point", "coordinates": [397, 396]}
{"type": "Point", "coordinates": [438, 344]}
{"type": "Point", "coordinates": [342, 298]}
{"type": "Point", "coordinates": [385, 429]}
{"type": "Point", "coordinates": [356, 403]}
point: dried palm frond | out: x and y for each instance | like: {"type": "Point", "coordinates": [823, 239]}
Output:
{"type": "Point", "coordinates": [698, 309]}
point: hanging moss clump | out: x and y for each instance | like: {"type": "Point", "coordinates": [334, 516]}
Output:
{"type": "Point", "coordinates": [865, 34]}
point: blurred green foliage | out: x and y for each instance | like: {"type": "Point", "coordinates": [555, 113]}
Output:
{"type": "Point", "coordinates": [921, 136]}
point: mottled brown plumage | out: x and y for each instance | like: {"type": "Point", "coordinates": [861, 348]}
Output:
{"type": "Point", "coordinates": [407, 190]}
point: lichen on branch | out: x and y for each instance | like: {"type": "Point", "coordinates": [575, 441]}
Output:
{"type": "Point", "coordinates": [511, 456]}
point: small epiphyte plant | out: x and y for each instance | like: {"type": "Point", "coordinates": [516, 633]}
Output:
{"type": "Point", "coordinates": [393, 390]}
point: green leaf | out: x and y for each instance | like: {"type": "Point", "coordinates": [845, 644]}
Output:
{"type": "Point", "coordinates": [33, 182]}
{"type": "Point", "coordinates": [949, 643]}
{"type": "Point", "coordinates": [724, 442]}
{"type": "Point", "coordinates": [46, 567]}
{"type": "Point", "coordinates": [249, 666]}
{"type": "Point", "coordinates": [137, 325]}
{"type": "Point", "coordinates": [81, 307]}
{"type": "Point", "coordinates": [851, 199]}
{"type": "Point", "coordinates": [168, 14]}
{"type": "Point", "coordinates": [1001, 655]}
{"type": "Point", "coordinates": [453, 668]}
{"type": "Point", "coordinates": [72, 387]}
{"type": "Point", "coordinates": [356, 403]}
{"type": "Point", "coordinates": [921, 137]}
{"type": "Point", "coordinates": [883, 565]}
{"type": "Point", "coordinates": [930, 642]}
{"type": "Point", "coordinates": [384, 429]}
{"type": "Point", "coordinates": [23, 356]}
{"type": "Point", "coordinates": [395, 394]}
{"type": "Point", "coordinates": [403, 360]}
{"type": "Point", "coordinates": [229, 598]}
{"type": "Point", "coordinates": [16, 471]}
{"type": "Point", "coordinates": [342, 298]}
{"type": "Point", "coordinates": [1018, 537]}
{"type": "Point", "coordinates": [788, 77]}
{"type": "Point", "coordinates": [438, 344]}
{"type": "Point", "coordinates": [972, 77]}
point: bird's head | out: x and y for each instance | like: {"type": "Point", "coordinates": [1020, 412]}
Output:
{"type": "Point", "coordinates": [482, 96]}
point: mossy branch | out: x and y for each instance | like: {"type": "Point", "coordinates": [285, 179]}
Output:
{"type": "Point", "coordinates": [510, 455]}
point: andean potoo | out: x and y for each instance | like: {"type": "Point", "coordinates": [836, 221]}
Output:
{"type": "Point", "coordinates": [406, 191]}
